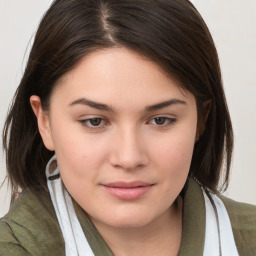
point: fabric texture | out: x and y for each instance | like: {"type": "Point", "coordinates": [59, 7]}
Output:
{"type": "Point", "coordinates": [219, 239]}
{"type": "Point", "coordinates": [31, 226]}
{"type": "Point", "coordinates": [75, 240]}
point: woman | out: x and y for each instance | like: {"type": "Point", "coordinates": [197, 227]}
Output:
{"type": "Point", "coordinates": [117, 136]}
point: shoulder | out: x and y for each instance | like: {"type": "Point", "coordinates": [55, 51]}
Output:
{"type": "Point", "coordinates": [243, 221]}
{"type": "Point", "coordinates": [31, 227]}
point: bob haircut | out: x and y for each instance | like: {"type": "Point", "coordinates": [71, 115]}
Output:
{"type": "Point", "coordinates": [170, 32]}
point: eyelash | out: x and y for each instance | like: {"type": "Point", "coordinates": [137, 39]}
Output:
{"type": "Point", "coordinates": [88, 125]}
{"type": "Point", "coordinates": [167, 121]}
{"type": "Point", "coordinates": [87, 122]}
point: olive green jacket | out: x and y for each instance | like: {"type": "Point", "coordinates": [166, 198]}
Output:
{"type": "Point", "coordinates": [31, 226]}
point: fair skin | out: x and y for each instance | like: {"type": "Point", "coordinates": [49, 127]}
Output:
{"type": "Point", "coordinates": [123, 133]}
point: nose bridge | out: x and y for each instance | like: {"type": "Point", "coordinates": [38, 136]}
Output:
{"type": "Point", "coordinates": [129, 150]}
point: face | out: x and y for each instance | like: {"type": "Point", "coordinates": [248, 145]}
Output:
{"type": "Point", "coordinates": [123, 133]}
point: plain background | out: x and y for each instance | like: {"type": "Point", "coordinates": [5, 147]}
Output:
{"type": "Point", "coordinates": [233, 26]}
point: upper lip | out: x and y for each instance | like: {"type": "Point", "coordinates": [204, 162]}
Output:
{"type": "Point", "coordinates": [132, 184]}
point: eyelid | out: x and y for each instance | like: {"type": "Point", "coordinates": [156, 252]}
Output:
{"type": "Point", "coordinates": [171, 120]}
{"type": "Point", "coordinates": [84, 122]}
{"type": "Point", "coordinates": [105, 122]}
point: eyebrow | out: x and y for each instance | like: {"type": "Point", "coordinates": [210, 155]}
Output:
{"type": "Point", "coordinates": [92, 104]}
{"type": "Point", "coordinates": [105, 107]}
{"type": "Point", "coordinates": [165, 104]}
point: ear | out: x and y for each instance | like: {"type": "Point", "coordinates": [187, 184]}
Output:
{"type": "Point", "coordinates": [203, 118]}
{"type": "Point", "coordinates": [42, 122]}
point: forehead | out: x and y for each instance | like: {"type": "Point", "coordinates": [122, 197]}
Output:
{"type": "Point", "coordinates": [119, 75]}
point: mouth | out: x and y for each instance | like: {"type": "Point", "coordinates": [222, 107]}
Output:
{"type": "Point", "coordinates": [128, 190]}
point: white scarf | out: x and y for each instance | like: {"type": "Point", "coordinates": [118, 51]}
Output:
{"type": "Point", "coordinates": [75, 240]}
{"type": "Point", "coordinates": [219, 239]}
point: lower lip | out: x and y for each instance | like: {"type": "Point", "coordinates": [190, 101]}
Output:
{"type": "Point", "coordinates": [128, 193]}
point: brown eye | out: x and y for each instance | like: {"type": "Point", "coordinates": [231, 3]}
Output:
{"type": "Point", "coordinates": [95, 121]}
{"type": "Point", "coordinates": [160, 120]}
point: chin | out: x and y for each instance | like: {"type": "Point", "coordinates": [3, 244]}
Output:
{"type": "Point", "coordinates": [128, 219]}
{"type": "Point", "coordinates": [129, 222]}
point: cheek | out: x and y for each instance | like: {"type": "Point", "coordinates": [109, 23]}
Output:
{"type": "Point", "coordinates": [172, 158]}
{"type": "Point", "coordinates": [175, 152]}
{"type": "Point", "coordinates": [80, 163]}
{"type": "Point", "coordinates": [79, 155]}
{"type": "Point", "coordinates": [175, 165]}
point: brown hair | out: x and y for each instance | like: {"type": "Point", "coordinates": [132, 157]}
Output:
{"type": "Point", "coordinates": [170, 32]}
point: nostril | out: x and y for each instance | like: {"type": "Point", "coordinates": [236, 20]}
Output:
{"type": "Point", "coordinates": [128, 150]}
{"type": "Point", "coordinates": [135, 163]}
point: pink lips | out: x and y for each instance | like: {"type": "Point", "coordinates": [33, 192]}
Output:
{"type": "Point", "coordinates": [128, 190]}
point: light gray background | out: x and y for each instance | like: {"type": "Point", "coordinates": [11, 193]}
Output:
{"type": "Point", "coordinates": [233, 26]}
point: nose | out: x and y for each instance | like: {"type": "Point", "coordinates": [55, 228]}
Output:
{"type": "Point", "coordinates": [128, 150]}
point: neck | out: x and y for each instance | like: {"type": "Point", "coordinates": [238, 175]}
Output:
{"type": "Point", "coordinates": [159, 237]}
